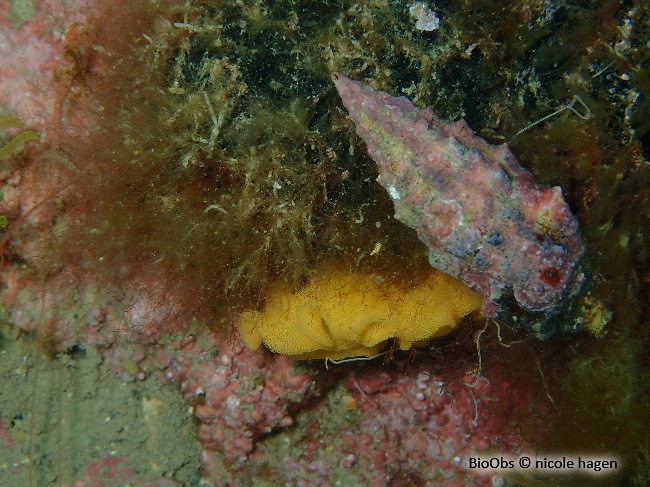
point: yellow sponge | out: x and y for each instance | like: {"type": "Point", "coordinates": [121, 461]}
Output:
{"type": "Point", "coordinates": [340, 315]}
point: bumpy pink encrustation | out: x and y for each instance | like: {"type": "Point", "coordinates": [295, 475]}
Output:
{"type": "Point", "coordinates": [479, 212]}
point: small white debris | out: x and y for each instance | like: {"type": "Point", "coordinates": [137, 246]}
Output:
{"type": "Point", "coordinates": [393, 192]}
{"type": "Point", "coordinates": [232, 402]}
{"type": "Point", "coordinates": [425, 18]}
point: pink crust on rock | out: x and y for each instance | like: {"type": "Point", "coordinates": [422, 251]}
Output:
{"type": "Point", "coordinates": [479, 212]}
{"type": "Point", "coordinates": [384, 423]}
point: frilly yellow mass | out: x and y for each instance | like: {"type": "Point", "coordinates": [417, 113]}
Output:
{"type": "Point", "coordinates": [341, 315]}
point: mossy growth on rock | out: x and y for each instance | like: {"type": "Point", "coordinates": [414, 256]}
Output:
{"type": "Point", "coordinates": [213, 160]}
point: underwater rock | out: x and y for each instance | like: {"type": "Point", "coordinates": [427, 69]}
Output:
{"type": "Point", "coordinates": [479, 212]}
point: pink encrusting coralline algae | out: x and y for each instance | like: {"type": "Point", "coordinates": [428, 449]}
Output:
{"type": "Point", "coordinates": [479, 212]}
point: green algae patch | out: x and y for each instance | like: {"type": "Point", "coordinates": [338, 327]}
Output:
{"type": "Point", "coordinates": [18, 140]}
{"type": "Point", "coordinates": [70, 414]}
{"type": "Point", "coordinates": [21, 11]}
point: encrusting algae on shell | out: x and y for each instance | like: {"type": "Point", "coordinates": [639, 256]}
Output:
{"type": "Point", "coordinates": [480, 213]}
{"type": "Point", "coordinates": [340, 315]}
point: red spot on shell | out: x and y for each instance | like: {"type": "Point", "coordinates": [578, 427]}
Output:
{"type": "Point", "coordinates": [551, 276]}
